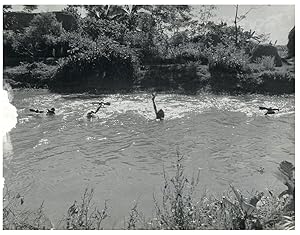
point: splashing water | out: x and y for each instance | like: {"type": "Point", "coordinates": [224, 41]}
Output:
{"type": "Point", "coordinates": [8, 120]}
{"type": "Point", "coordinates": [121, 152]}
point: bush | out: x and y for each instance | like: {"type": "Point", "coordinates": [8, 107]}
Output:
{"type": "Point", "coordinates": [179, 209]}
{"type": "Point", "coordinates": [227, 59]}
{"type": "Point", "coordinates": [267, 62]}
{"type": "Point", "coordinates": [17, 217]}
{"type": "Point", "coordinates": [95, 28]}
{"type": "Point", "coordinates": [267, 50]}
{"type": "Point", "coordinates": [278, 81]}
{"type": "Point", "coordinates": [188, 52]}
{"type": "Point", "coordinates": [34, 75]}
{"type": "Point", "coordinates": [39, 37]}
{"type": "Point", "coordinates": [83, 216]}
{"type": "Point", "coordinates": [95, 63]}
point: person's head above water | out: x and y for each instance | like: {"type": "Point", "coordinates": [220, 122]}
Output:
{"type": "Point", "coordinates": [105, 103]}
{"type": "Point", "coordinates": [269, 110]}
{"type": "Point", "coordinates": [51, 111]}
{"type": "Point", "coordinates": [90, 114]}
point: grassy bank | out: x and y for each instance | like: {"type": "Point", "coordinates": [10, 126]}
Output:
{"type": "Point", "coordinates": [262, 77]}
{"type": "Point", "coordinates": [178, 208]}
{"type": "Point", "coordinates": [30, 75]}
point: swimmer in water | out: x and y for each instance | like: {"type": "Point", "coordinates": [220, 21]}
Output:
{"type": "Point", "coordinates": [104, 103]}
{"type": "Point", "coordinates": [269, 110]}
{"type": "Point", "coordinates": [36, 111]}
{"type": "Point", "coordinates": [160, 114]}
{"type": "Point", "coordinates": [49, 112]}
{"type": "Point", "coordinates": [92, 113]}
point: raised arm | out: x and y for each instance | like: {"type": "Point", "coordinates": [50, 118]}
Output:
{"type": "Point", "coordinates": [98, 109]}
{"type": "Point", "coordinates": [153, 97]}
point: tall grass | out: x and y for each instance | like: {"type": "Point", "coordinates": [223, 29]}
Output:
{"type": "Point", "coordinates": [177, 209]}
{"type": "Point", "coordinates": [17, 216]}
{"type": "Point", "coordinates": [84, 215]}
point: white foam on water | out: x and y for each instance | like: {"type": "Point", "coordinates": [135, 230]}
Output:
{"type": "Point", "coordinates": [8, 120]}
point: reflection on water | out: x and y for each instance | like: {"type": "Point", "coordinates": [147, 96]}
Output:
{"type": "Point", "coordinates": [122, 151]}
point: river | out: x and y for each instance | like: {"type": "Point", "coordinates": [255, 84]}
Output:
{"type": "Point", "coordinates": [122, 152]}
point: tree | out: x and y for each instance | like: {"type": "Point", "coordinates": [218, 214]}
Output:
{"type": "Point", "coordinates": [41, 34]}
{"type": "Point", "coordinates": [237, 19]}
{"type": "Point", "coordinates": [30, 8]}
{"type": "Point", "coordinates": [6, 8]}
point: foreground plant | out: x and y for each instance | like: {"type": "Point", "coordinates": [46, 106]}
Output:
{"type": "Point", "coordinates": [179, 208]}
{"type": "Point", "coordinates": [84, 216]}
{"type": "Point", "coordinates": [17, 216]}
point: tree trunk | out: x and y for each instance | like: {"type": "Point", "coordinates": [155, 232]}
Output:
{"type": "Point", "coordinates": [235, 23]}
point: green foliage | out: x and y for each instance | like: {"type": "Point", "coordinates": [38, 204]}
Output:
{"type": "Point", "coordinates": [211, 34]}
{"type": "Point", "coordinates": [267, 62]}
{"type": "Point", "coordinates": [7, 8]}
{"type": "Point", "coordinates": [36, 75]}
{"type": "Point", "coordinates": [227, 59]}
{"type": "Point", "coordinates": [277, 75]}
{"type": "Point", "coordinates": [83, 215]}
{"type": "Point", "coordinates": [44, 29]}
{"type": "Point", "coordinates": [17, 217]}
{"type": "Point", "coordinates": [103, 56]}
{"type": "Point", "coordinates": [102, 27]}
{"type": "Point", "coordinates": [178, 209]}
{"type": "Point", "coordinates": [179, 39]}
{"type": "Point", "coordinates": [29, 8]}
{"type": "Point", "coordinates": [188, 52]}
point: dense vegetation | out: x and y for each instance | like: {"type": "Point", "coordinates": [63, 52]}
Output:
{"type": "Point", "coordinates": [178, 208]}
{"type": "Point", "coordinates": [115, 47]}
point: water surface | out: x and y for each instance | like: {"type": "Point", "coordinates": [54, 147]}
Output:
{"type": "Point", "coordinates": [121, 152]}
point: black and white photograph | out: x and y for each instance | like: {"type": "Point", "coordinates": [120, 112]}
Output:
{"type": "Point", "coordinates": [148, 117]}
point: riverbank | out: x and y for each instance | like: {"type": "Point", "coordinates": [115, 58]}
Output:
{"type": "Point", "coordinates": [178, 209]}
{"type": "Point", "coordinates": [188, 78]}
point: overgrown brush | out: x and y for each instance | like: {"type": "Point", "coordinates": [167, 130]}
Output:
{"type": "Point", "coordinates": [17, 217]}
{"type": "Point", "coordinates": [227, 59]}
{"type": "Point", "coordinates": [33, 75]}
{"type": "Point", "coordinates": [84, 215]}
{"type": "Point", "coordinates": [178, 209]}
{"type": "Point", "coordinates": [267, 62]}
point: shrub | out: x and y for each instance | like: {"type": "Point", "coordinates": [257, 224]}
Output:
{"type": "Point", "coordinates": [188, 52]}
{"type": "Point", "coordinates": [266, 50]}
{"type": "Point", "coordinates": [277, 75]}
{"type": "Point", "coordinates": [17, 217]}
{"type": "Point", "coordinates": [227, 59]}
{"type": "Point", "coordinates": [178, 209]}
{"type": "Point", "coordinates": [95, 28]}
{"type": "Point", "coordinates": [84, 216]}
{"type": "Point", "coordinates": [267, 62]}
{"type": "Point", "coordinates": [104, 57]}
{"type": "Point", "coordinates": [34, 75]}
{"type": "Point", "coordinates": [36, 39]}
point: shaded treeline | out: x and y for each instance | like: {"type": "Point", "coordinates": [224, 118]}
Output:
{"type": "Point", "coordinates": [111, 45]}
